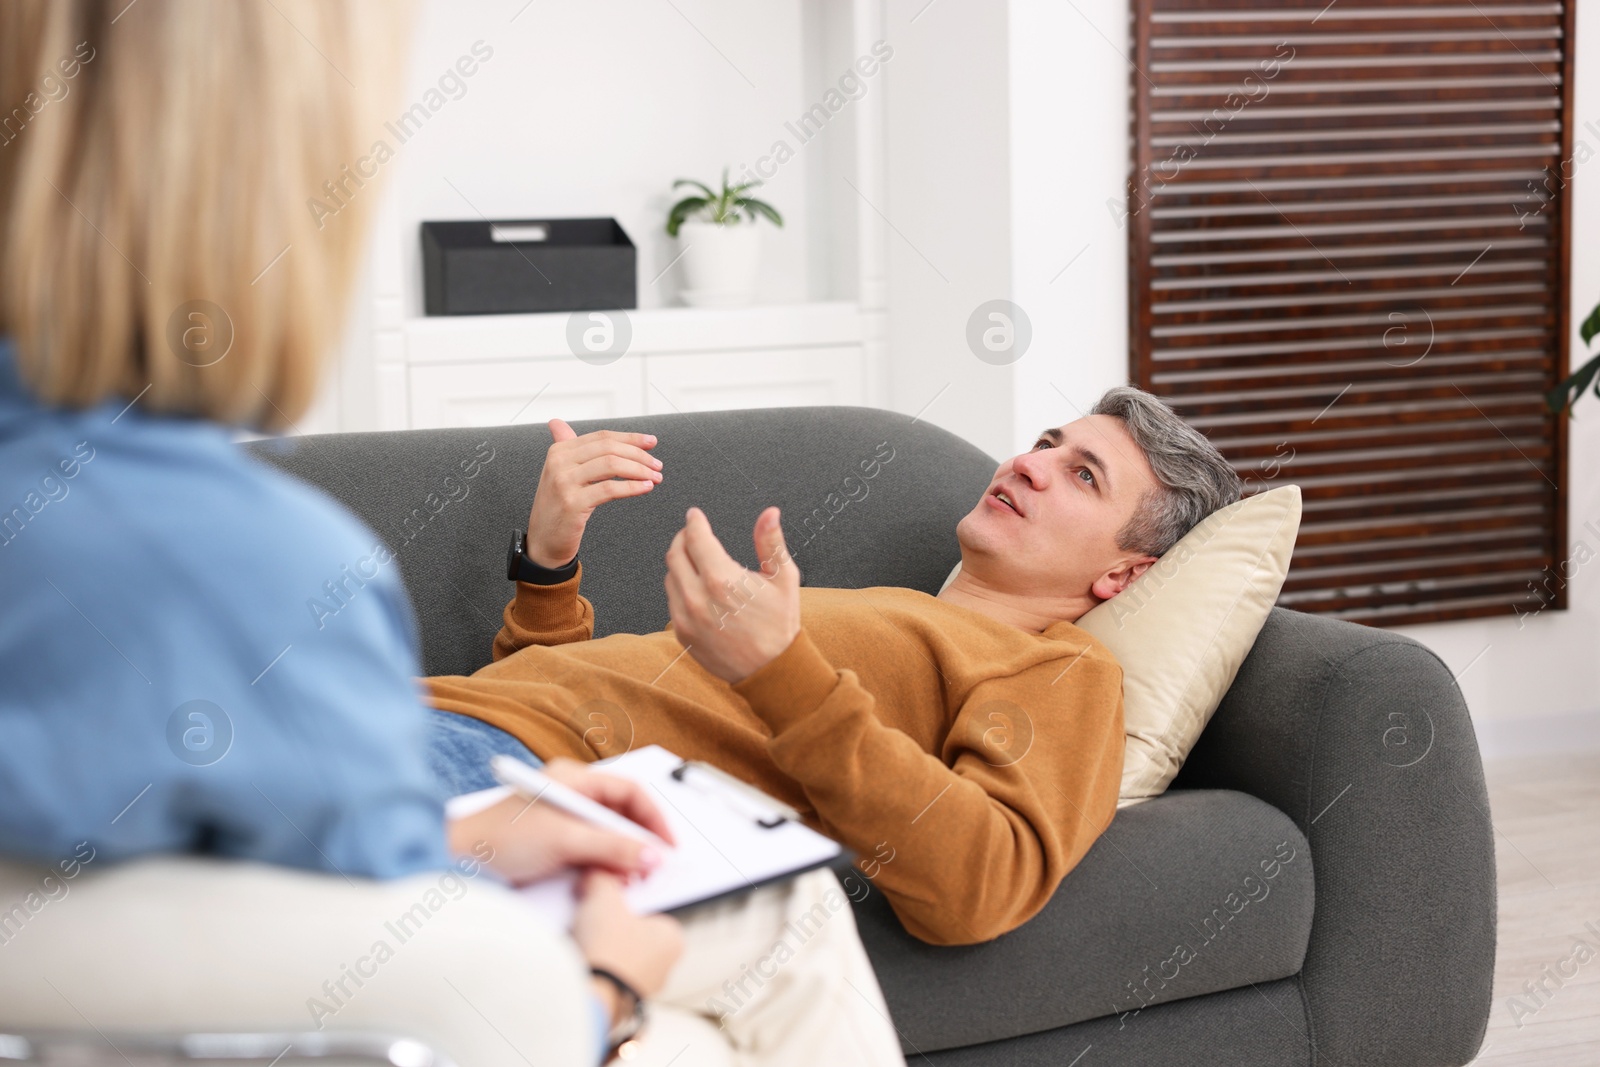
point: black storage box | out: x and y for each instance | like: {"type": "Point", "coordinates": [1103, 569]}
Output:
{"type": "Point", "coordinates": [516, 265]}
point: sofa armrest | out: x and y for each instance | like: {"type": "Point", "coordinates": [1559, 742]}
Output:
{"type": "Point", "coordinates": [174, 946]}
{"type": "Point", "coordinates": [1363, 739]}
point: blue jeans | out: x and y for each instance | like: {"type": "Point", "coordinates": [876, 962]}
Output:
{"type": "Point", "coordinates": [459, 748]}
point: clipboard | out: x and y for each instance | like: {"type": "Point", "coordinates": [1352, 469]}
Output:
{"type": "Point", "coordinates": [732, 838]}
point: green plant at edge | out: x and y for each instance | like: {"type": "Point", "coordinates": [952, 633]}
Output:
{"type": "Point", "coordinates": [1568, 392]}
{"type": "Point", "coordinates": [726, 208]}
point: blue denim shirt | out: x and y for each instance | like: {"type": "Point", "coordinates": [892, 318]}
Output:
{"type": "Point", "coordinates": [168, 683]}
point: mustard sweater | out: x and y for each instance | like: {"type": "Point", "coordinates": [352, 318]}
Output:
{"type": "Point", "coordinates": [970, 764]}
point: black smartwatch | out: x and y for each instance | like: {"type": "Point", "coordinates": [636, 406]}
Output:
{"type": "Point", "coordinates": [519, 568]}
{"type": "Point", "coordinates": [626, 1029]}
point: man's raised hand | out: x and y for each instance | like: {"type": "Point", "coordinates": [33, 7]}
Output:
{"type": "Point", "coordinates": [580, 474]}
{"type": "Point", "coordinates": [733, 621]}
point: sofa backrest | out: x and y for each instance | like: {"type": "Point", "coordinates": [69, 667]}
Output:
{"type": "Point", "coordinates": [869, 497]}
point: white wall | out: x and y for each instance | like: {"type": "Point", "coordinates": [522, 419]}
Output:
{"type": "Point", "coordinates": [1069, 259]}
{"type": "Point", "coordinates": [1008, 134]}
{"type": "Point", "coordinates": [949, 212]}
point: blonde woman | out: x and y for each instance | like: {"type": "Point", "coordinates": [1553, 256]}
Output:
{"type": "Point", "coordinates": [162, 284]}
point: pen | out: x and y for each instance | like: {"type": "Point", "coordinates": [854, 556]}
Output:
{"type": "Point", "coordinates": [536, 785]}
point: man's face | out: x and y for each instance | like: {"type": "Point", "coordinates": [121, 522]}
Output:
{"type": "Point", "coordinates": [1047, 525]}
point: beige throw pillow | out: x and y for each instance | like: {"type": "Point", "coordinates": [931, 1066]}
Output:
{"type": "Point", "coordinates": [1183, 627]}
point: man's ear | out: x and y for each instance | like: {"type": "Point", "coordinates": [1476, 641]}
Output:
{"type": "Point", "coordinates": [1121, 576]}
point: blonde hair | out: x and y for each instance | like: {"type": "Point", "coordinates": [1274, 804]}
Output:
{"type": "Point", "coordinates": [156, 158]}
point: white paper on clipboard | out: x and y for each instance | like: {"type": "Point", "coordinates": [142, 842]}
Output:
{"type": "Point", "coordinates": [723, 846]}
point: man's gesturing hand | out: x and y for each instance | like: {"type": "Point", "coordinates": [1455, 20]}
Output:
{"type": "Point", "coordinates": [580, 474]}
{"type": "Point", "coordinates": [733, 621]}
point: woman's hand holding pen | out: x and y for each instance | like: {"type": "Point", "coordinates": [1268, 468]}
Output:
{"type": "Point", "coordinates": [528, 841]}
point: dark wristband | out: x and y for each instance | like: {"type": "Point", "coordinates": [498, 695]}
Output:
{"type": "Point", "coordinates": [519, 568]}
{"type": "Point", "coordinates": [633, 1018]}
{"type": "Point", "coordinates": [629, 994]}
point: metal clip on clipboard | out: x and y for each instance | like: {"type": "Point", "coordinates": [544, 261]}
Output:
{"type": "Point", "coordinates": [767, 812]}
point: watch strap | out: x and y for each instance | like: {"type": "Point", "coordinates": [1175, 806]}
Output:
{"type": "Point", "coordinates": [628, 1027]}
{"type": "Point", "coordinates": [519, 568]}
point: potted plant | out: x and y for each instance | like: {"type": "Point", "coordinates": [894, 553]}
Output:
{"type": "Point", "coordinates": [721, 245]}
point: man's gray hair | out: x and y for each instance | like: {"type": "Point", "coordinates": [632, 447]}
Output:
{"type": "Point", "coordinates": [1195, 479]}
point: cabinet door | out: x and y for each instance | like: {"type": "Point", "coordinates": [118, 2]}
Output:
{"type": "Point", "coordinates": [532, 391]}
{"type": "Point", "coordinates": [765, 378]}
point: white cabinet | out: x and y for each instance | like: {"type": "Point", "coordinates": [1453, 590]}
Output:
{"type": "Point", "coordinates": [532, 391]}
{"type": "Point", "coordinates": [714, 381]}
{"type": "Point", "coordinates": [496, 369]}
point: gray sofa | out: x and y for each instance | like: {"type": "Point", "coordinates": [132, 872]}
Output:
{"type": "Point", "coordinates": [1347, 750]}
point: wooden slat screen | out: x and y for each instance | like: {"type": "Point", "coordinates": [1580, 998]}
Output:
{"type": "Point", "coordinates": [1349, 238]}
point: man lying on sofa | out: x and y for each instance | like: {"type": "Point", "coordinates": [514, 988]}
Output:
{"type": "Point", "coordinates": [975, 737]}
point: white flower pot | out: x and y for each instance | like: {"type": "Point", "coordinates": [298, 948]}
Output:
{"type": "Point", "coordinates": [719, 263]}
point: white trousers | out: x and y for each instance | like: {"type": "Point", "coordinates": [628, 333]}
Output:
{"type": "Point", "coordinates": [774, 978]}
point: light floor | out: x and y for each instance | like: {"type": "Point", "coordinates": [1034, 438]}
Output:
{"type": "Point", "coordinates": [1547, 846]}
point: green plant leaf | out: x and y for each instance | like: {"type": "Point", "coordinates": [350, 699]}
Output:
{"type": "Point", "coordinates": [1573, 387]}
{"type": "Point", "coordinates": [681, 212]}
{"type": "Point", "coordinates": [702, 186]}
{"type": "Point", "coordinates": [1591, 325]}
{"type": "Point", "coordinates": [730, 207]}
{"type": "Point", "coordinates": [764, 209]}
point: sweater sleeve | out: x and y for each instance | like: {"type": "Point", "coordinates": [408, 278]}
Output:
{"type": "Point", "coordinates": [545, 615]}
{"type": "Point", "coordinates": [976, 839]}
